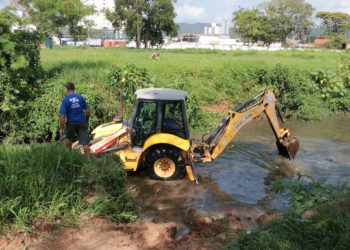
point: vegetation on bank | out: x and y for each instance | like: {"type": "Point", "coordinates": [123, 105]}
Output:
{"type": "Point", "coordinates": [47, 185]}
{"type": "Point", "coordinates": [318, 218]}
{"type": "Point", "coordinates": [309, 84]}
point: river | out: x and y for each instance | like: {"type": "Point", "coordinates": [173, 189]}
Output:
{"type": "Point", "coordinates": [245, 173]}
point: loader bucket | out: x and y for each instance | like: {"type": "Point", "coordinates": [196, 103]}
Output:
{"type": "Point", "coordinates": [288, 148]}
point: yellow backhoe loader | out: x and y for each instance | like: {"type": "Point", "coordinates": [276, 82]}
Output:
{"type": "Point", "coordinates": [157, 138]}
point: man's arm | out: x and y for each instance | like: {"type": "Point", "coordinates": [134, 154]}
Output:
{"type": "Point", "coordinates": [87, 115]}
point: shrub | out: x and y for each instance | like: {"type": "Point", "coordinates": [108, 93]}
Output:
{"type": "Point", "coordinates": [43, 121]}
{"type": "Point", "coordinates": [20, 73]}
{"type": "Point", "coordinates": [337, 41]}
{"type": "Point", "coordinates": [306, 192]}
{"type": "Point", "coordinates": [334, 86]}
{"type": "Point", "coordinates": [296, 95]}
{"type": "Point", "coordinates": [125, 81]}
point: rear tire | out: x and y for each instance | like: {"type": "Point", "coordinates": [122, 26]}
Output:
{"type": "Point", "coordinates": [165, 163]}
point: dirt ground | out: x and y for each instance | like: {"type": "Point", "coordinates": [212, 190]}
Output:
{"type": "Point", "coordinates": [101, 234]}
{"type": "Point", "coordinates": [220, 107]}
{"type": "Point", "coordinates": [200, 233]}
{"type": "Point", "coordinates": [176, 215]}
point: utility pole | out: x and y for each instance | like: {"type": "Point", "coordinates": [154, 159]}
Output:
{"type": "Point", "coordinates": [138, 24]}
{"type": "Point", "coordinates": [225, 23]}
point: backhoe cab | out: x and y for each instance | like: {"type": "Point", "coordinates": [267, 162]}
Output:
{"type": "Point", "coordinates": [157, 137]}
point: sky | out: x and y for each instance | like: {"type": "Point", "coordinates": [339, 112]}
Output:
{"type": "Point", "coordinates": [218, 11]}
{"type": "Point", "coordinates": [4, 2]}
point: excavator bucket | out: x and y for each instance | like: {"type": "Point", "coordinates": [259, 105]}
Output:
{"type": "Point", "coordinates": [288, 148]}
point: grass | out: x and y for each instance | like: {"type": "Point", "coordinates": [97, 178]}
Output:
{"type": "Point", "coordinates": [329, 228]}
{"type": "Point", "coordinates": [199, 70]}
{"type": "Point", "coordinates": [318, 217]}
{"type": "Point", "coordinates": [46, 183]}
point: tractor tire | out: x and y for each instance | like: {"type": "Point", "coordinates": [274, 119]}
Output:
{"type": "Point", "coordinates": [165, 163]}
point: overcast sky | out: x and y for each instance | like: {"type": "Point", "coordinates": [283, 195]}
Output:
{"type": "Point", "coordinates": [220, 10]}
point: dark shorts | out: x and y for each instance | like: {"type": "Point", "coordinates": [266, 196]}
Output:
{"type": "Point", "coordinates": [77, 130]}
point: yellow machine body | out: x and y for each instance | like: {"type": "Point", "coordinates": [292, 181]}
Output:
{"type": "Point", "coordinates": [116, 138]}
{"type": "Point", "coordinates": [132, 158]}
{"type": "Point", "coordinates": [106, 129]}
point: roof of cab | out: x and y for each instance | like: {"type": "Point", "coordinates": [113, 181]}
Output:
{"type": "Point", "coordinates": [161, 94]}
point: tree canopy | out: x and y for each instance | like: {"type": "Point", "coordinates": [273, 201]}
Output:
{"type": "Point", "coordinates": [335, 22]}
{"type": "Point", "coordinates": [144, 20]}
{"type": "Point", "coordinates": [254, 26]}
{"type": "Point", "coordinates": [289, 16]}
{"type": "Point", "coordinates": [273, 20]}
{"type": "Point", "coordinates": [50, 16]}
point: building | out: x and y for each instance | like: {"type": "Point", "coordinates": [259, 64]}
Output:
{"type": "Point", "coordinates": [214, 30]}
{"type": "Point", "coordinates": [347, 34]}
{"type": "Point", "coordinates": [99, 18]}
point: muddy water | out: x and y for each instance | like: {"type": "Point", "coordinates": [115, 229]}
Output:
{"type": "Point", "coordinates": [243, 175]}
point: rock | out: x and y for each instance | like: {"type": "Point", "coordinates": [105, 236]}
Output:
{"type": "Point", "coordinates": [203, 220]}
{"type": "Point", "coordinates": [308, 214]}
{"type": "Point", "coordinates": [237, 227]}
{"type": "Point", "coordinates": [181, 231]}
{"type": "Point", "coordinates": [265, 218]}
{"type": "Point", "coordinates": [222, 236]}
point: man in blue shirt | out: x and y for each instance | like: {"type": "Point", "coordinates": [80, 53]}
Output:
{"type": "Point", "coordinates": [74, 119]}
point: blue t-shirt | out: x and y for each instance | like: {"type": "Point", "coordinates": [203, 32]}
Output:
{"type": "Point", "coordinates": [73, 107]}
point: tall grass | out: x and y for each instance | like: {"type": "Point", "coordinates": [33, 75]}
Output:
{"type": "Point", "coordinates": [46, 183]}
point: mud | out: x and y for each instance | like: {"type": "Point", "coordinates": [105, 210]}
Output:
{"type": "Point", "coordinates": [220, 107]}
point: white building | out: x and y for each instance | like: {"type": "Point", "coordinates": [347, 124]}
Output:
{"type": "Point", "coordinates": [99, 18]}
{"type": "Point", "coordinates": [214, 29]}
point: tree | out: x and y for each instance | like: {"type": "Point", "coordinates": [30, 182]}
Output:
{"type": "Point", "coordinates": [289, 16]}
{"type": "Point", "coordinates": [20, 71]}
{"type": "Point", "coordinates": [254, 26]}
{"type": "Point", "coordinates": [50, 16]}
{"type": "Point", "coordinates": [74, 12]}
{"type": "Point", "coordinates": [246, 23]}
{"type": "Point", "coordinates": [145, 20]}
{"type": "Point", "coordinates": [335, 22]}
{"type": "Point", "coordinates": [161, 15]}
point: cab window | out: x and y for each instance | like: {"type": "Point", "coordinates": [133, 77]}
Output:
{"type": "Point", "coordinates": [173, 119]}
{"type": "Point", "coordinates": [145, 122]}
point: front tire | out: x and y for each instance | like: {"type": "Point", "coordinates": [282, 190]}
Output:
{"type": "Point", "coordinates": [165, 163]}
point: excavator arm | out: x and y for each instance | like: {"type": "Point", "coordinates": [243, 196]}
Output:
{"type": "Point", "coordinates": [217, 141]}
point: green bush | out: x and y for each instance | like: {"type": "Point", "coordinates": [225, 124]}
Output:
{"type": "Point", "coordinates": [43, 121]}
{"type": "Point", "coordinates": [337, 41]}
{"type": "Point", "coordinates": [296, 95]}
{"type": "Point", "coordinates": [46, 183]}
{"type": "Point", "coordinates": [125, 81]}
{"type": "Point", "coordinates": [306, 192]}
{"type": "Point", "coordinates": [334, 86]}
{"type": "Point", "coordinates": [20, 73]}
{"type": "Point", "coordinates": [326, 227]}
